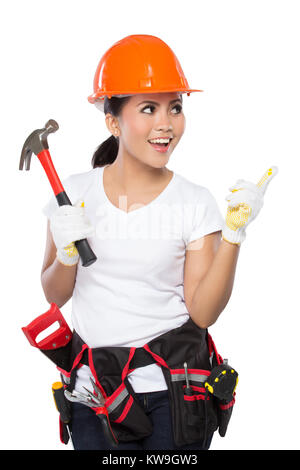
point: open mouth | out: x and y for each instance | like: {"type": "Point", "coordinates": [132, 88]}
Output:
{"type": "Point", "coordinates": [158, 144]}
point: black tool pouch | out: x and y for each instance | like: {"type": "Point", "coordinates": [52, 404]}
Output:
{"type": "Point", "coordinates": [223, 380]}
{"type": "Point", "coordinates": [134, 425]}
{"type": "Point", "coordinates": [194, 415]}
{"type": "Point", "coordinates": [60, 356]}
{"type": "Point", "coordinates": [127, 418]}
{"type": "Point", "coordinates": [109, 368]}
{"type": "Point", "coordinates": [225, 408]}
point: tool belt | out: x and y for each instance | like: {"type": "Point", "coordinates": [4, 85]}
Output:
{"type": "Point", "coordinates": [194, 416]}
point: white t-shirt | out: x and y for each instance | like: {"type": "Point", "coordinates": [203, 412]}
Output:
{"type": "Point", "coordinates": [134, 291]}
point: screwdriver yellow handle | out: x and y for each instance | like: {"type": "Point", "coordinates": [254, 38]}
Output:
{"type": "Point", "coordinates": [61, 402]}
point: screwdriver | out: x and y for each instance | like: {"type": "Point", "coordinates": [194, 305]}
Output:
{"type": "Point", "coordinates": [188, 390]}
{"type": "Point", "coordinates": [62, 407]}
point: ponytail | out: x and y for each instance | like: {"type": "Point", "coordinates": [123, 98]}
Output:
{"type": "Point", "coordinates": [107, 152]}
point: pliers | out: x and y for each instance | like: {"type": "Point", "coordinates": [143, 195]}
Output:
{"type": "Point", "coordinates": [95, 401]}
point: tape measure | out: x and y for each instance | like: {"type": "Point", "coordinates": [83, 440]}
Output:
{"type": "Point", "coordinates": [222, 381]}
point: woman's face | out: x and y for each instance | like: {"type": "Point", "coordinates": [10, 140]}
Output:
{"type": "Point", "coordinates": [149, 116]}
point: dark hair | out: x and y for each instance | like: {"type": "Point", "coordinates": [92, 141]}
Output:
{"type": "Point", "coordinates": [107, 152]}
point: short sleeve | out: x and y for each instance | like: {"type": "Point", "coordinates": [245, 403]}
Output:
{"type": "Point", "coordinates": [52, 204]}
{"type": "Point", "coordinates": [206, 217]}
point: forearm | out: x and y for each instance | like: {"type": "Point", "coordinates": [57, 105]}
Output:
{"type": "Point", "coordinates": [214, 290]}
{"type": "Point", "coordinates": [58, 282]}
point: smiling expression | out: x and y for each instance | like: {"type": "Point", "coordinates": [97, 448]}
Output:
{"type": "Point", "coordinates": [149, 116]}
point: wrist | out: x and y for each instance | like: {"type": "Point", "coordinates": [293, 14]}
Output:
{"type": "Point", "coordinates": [231, 243]}
{"type": "Point", "coordinates": [235, 237]}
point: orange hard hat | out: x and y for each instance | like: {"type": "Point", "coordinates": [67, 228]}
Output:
{"type": "Point", "coordinates": [139, 63]}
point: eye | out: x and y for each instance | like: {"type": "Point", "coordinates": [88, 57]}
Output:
{"type": "Point", "coordinates": [148, 107]}
{"type": "Point", "coordinates": [177, 106]}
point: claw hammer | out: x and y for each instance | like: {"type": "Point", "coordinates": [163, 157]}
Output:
{"type": "Point", "coordinates": [37, 143]}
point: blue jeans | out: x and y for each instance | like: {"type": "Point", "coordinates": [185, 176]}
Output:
{"type": "Point", "coordinates": [87, 431]}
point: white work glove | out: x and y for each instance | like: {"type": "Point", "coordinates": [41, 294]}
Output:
{"type": "Point", "coordinates": [244, 203]}
{"type": "Point", "coordinates": [69, 224]}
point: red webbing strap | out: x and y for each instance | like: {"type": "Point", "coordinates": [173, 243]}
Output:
{"type": "Point", "coordinates": [125, 372]}
{"type": "Point", "coordinates": [93, 370]}
{"type": "Point", "coordinates": [191, 371]}
{"type": "Point", "coordinates": [110, 400]}
{"type": "Point", "coordinates": [228, 405]}
{"type": "Point", "coordinates": [75, 362]}
{"type": "Point", "coordinates": [199, 394]}
{"type": "Point", "coordinates": [122, 386]}
{"type": "Point", "coordinates": [115, 395]}
{"type": "Point", "coordinates": [212, 348]}
{"type": "Point", "coordinates": [125, 411]}
{"type": "Point", "coordinates": [126, 368]}
{"type": "Point", "coordinates": [159, 360]}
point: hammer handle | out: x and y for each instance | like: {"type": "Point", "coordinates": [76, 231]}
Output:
{"type": "Point", "coordinates": [86, 254]}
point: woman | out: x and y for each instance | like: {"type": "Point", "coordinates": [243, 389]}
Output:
{"type": "Point", "coordinates": [164, 253]}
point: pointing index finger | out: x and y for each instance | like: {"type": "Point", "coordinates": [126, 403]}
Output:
{"type": "Point", "coordinates": [267, 177]}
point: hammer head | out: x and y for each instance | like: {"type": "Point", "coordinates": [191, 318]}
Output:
{"type": "Point", "coordinates": [36, 142]}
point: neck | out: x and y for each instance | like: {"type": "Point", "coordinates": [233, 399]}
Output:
{"type": "Point", "coordinates": [129, 173]}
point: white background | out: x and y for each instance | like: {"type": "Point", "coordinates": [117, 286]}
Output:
{"type": "Point", "coordinates": [245, 56]}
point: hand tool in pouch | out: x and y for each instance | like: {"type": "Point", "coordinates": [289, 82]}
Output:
{"type": "Point", "coordinates": [62, 406]}
{"type": "Point", "coordinates": [221, 383]}
{"type": "Point", "coordinates": [188, 389]}
{"type": "Point", "coordinates": [55, 346]}
{"type": "Point", "coordinates": [37, 143]}
{"type": "Point", "coordinates": [95, 401]}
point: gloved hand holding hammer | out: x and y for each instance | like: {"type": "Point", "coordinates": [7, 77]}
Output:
{"type": "Point", "coordinates": [64, 235]}
{"type": "Point", "coordinates": [69, 224]}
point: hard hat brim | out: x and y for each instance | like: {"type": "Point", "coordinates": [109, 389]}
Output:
{"type": "Point", "coordinates": [100, 95]}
